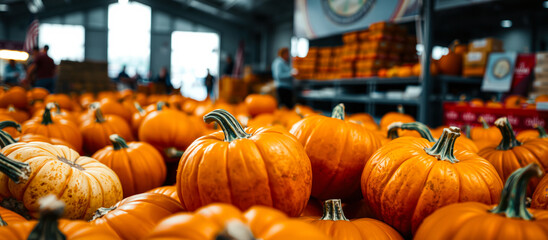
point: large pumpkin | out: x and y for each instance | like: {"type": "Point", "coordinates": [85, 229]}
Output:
{"type": "Point", "coordinates": [83, 183]}
{"type": "Point", "coordinates": [8, 217]}
{"type": "Point", "coordinates": [136, 216]}
{"type": "Point", "coordinates": [511, 154]}
{"type": "Point", "coordinates": [257, 104]}
{"type": "Point", "coordinates": [338, 150]}
{"type": "Point", "coordinates": [485, 136]}
{"type": "Point", "coordinates": [50, 226]}
{"type": "Point", "coordinates": [255, 166]}
{"type": "Point", "coordinates": [409, 178]}
{"type": "Point", "coordinates": [96, 131]}
{"type": "Point", "coordinates": [57, 113]}
{"type": "Point", "coordinates": [224, 221]}
{"type": "Point", "coordinates": [392, 117]}
{"type": "Point", "coordinates": [7, 139]}
{"type": "Point", "coordinates": [170, 191]}
{"type": "Point", "coordinates": [510, 219]}
{"type": "Point", "coordinates": [61, 129]}
{"type": "Point", "coordinates": [537, 133]}
{"type": "Point", "coordinates": [335, 224]}
{"type": "Point", "coordinates": [131, 162]}
{"type": "Point", "coordinates": [540, 196]}
{"type": "Point", "coordinates": [16, 96]}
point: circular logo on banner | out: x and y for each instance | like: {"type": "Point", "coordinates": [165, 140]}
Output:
{"type": "Point", "coordinates": [346, 11]}
{"type": "Point", "coordinates": [501, 68]}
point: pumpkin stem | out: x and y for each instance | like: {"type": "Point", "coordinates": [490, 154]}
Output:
{"type": "Point", "coordinates": [102, 211]}
{"type": "Point", "coordinates": [400, 109]}
{"type": "Point", "coordinates": [462, 98]}
{"type": "Point", "coordinates": [483, 123]}
{"type": "Point", "coordinates": [509, 140]}
{"type": "Point", "coordinates": [5, 139]}
{"type": "Point", "coordinates": [118, 142]}
{"type": "Point", "coordinates": [46, 117]}
{"type": "Point", "coordinates": [5, 124]}
{"type": "Point", "coordinates": [57, 107]}
{"type": "Point", "coordinates": [338, 112]}
{"type": "Point", "coordinates": [415, 126]}
{"type": "Point", "coordinates": [299, 111]}
{"type": "Point", "coordinates": [541, 132]}
{"type": "Point", "coordinates": [140, 109]}
{"type": "Point", "coordinates": [513, 198]}
{"type": "Point", "coordinates": [11, 108]}
{"type": "Point", "coordinates": [230, 126]}
{"type": "Point", "coordinates": [468, 129]}
{"type": "Point", "coordinates": [235, 230]}
{"type": "Point", "coordinates": [2, 222]}
{"type": "Point", "coordinates": [51, 210]}
{"type": "Point", "coordinates": [332, 211]}
{"type": "Point", "coordinates": [99, 118]}
{"type": "Point", "coordinates": [15, 170]}
{"type": "Point", "coordinates": [160, 105]}
{"type": "Point", "coordinates": [173, 152]}
{"type": "Point", "coordinates": [443, 148]}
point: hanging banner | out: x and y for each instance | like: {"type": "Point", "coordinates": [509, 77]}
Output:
{"type": "Point", "coordinates": [321, 18]}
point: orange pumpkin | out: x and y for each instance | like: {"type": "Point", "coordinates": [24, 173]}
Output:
{"type": "Point", "coordinates": [256, 166]}
{"type": "Point", "coordinates": [361, 118]}
{"type": "Point", "coordinates": [263, 120]}
{"type": "Point", "coordinates": [83, 183]}
{"type": "Point", "coordinates": [485, 136]}
{"type": "Point", "coordinates": [14, 171]}
{"type": "Point", "coordinates": [286, 117]}
{"type": "Point", "coordinates": [313, 208]}
{"type": "Point", "coordinates": [409, 178]}
{"type": "Point", "coordinates": [111, 107]}
{"type": "Point", "coordinates": [18, 115]}
{"type": "Point", "coordinates": [335, 224]}
{"type": "Point", "coordinates": [541, 98]}
{"type": "Point", "coordinates": [405, 71]}
{"type": "Point", "coordinates": [257, 104]}
{"type": "Point", "coordinates": [539, 133]}
{"type": "Point", "coordinates": [170, 191]}
{"type": "Point", "coordinates": [96, 132]}
{"type": "Point", "coordinates": [514, 101]}
{"type": "Point", "coordinates": [436, 132]}
{"type": "Point", "coordinates": [511, 154]}
{"type": "Point", "coordinates": [50, 226]}
{"type": "Point", "coordinates": [451, 63]}
{"type": "Point", "coordinates": [136, 216]}
{"type": "Point", "coordinates": [398, 116]}
{"type": "Point", "coordinates": [510, 219]}
{"type": "Point", "coordinates": [132, 161]}
{"type": "Point", "coordinates": [476, 102]}
{"type": "Point", "coordinates": [60, 129]}
{"type": "Point", "coordinates": [86, 99]}
{"type": "Point", "coordinates": [382, 72]}
{"type": "Point", "coordinates": [540, 196]}
{"type": "Point", "coordinates": [16, 96]}
{"type": "Point", "coordinates": [62, 99]}
{"type": "Point", "coordinates": [137, 118]}
{"type": "Point", "coordinates": [57, 114]}
{"type": "Point", "coordinates": [37, 93]}
{"type": "Point", "coordinates": [338, 150]}
{"type": "Point", "coordinates": [224, 221]}
{"type": "Point", "coordinates": [7, 139]}
{"type": "Point", "coordinates": [493, 103]}
{"type": "Point", "coordinates": [7, 217]}
{"type": "Point", "coordinates": [9, 126]}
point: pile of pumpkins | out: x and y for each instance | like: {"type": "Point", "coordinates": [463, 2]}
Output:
{"type": "Point", "coordinates": [168, 167]}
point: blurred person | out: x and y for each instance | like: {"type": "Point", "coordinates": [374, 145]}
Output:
{"type": "Point", "coordinates": [30, 77]}
{"type": "Point", "coordinates": [124, 80]}
{"type": "Point", "coordinates": [163, 78]}
{"type": "Point", "coordinates": [45, 70]}
{"type": "Point", "coordinates": [283, 80]}
{"type": "Point", "coordinates": [229, 67]}
{"type": "Point", "coordinates": [209, 82]}
{"type": "Point", "coordinates": [13, 73]}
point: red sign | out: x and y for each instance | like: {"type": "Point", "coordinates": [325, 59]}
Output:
{"type": "Point", "coordinates": [525, 64]}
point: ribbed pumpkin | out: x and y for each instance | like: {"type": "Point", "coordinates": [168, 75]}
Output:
{"type": "Point", "coordinates": [540, 196]}
{"type": "Point", "coordinates": [510, 219]}
{"type": "Point", "coordinates": [361, 117]}
{"type": "Point", "coordinates": [62, 99]}
{"type": "Point", "coordinates": [257, 104]}
{"type": "Point", "coordinates": [256, 166]}
{"type": "Point", "coordinates": [224, 221]}
{"type": "Point", "coordinates": [83, 183]}
{"type": "Point", "coordinates": [485, 136]}
{"type": "Point", "coordinates": [137, 118]}
{"type": "Point", "coordinates": [18, 115]}
{"type": "Point", "coordinates": [57, 113]}
{"type": "Point", "coordinates": [111, 107]}
{"type": "Point", "coordinates": [131, 162]}
{"type": "Point", "coordinates": [335, 224]}
{"type": "Point", "coordinates": [16, 96]}
{"type": "Point", "coordinates": [50, 226]}
{"type": "Point", "coordinates": [11, 170]}
{"type": "Point", "coordinates": [10, 127]}
{"type": "Point", "coordinates": [538, 133]}
{"type": "Point", "coordinates": [462, 143]}
{"type": "Point", "coordinates": [61, 129]}
{"type": "Point", "coordinates": [97, 131]}
{"type": "Point", "coordinates": [409, 178]}
{"type": "Point", "coordinates": [392, 117]}
{"type": "Point", "coordinates": [338, 149]}
{"type": "Point", "coordinates": [8, 217]}
{"type": "Point", "coordinates": [136, 216]}
{"type": "Point", "coordinates": [7, 139]}
{"type": "Point", "coordinates": [37, 93]}
{"type": "Point", "coordinates": [170, 191]}
{"type": "Point", "coordinates": [511, 154]}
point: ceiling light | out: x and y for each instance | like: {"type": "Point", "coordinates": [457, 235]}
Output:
{"type": "Point", "coordinates": [4, 7]}
{"type": "Point", "coordinates": [506, 23]}
{"type": "Point", "coordinates": [15, 55]}
{"type": "Point", "coordinates": [545, 4]}
{"type": "Point", "coordinates": [123, 1]}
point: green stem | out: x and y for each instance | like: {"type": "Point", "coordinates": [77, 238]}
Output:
{"type": "Point", "coordinates": [235, 230]}
{"type": "Point", "coordinates": [57, 108]}
{"type": "Point", "coordinates": [5, 124]}
{"type": "Point", "coordinates": [6, 139]}
{"type": "Point", "coordinates": [160, 105]}
{"type": "Point", "coordinates": [15, 170]}
{"type": "Point", "coordinates": [513, 198]}
{"type": "Point", "coordinates": [541, 132]}
{"type": "Point", "coordinates": [332, 211]}
{"type": "Point", "coordinates": [51, 210]}
{"type": "Point", "coordinates": [46, 117]}
{"type": "Point", "coordinates": [443, 148]}
{"type": "Point", "coordinates": [118, 142]}
{"type": "Point", "coordinates": [483, 123]}
{"type": "Point", "coordinates": [468, 128]}
{"type": "Point", "coordinates": [99, 118]}
{"type": "Point", "coordinates": [400, 109]}
{"type": "Point", "coordinates": [509, 140]}
{"type": "Point", "coordinates": [11, 108]}
{"type": "Point", "coordinates": [173, 152]}
{"type": "Point", "coordinates": [102, 211]}
{"type": "Point", "coordinates": [338, 112]}
{"type": "Point", "coordinates": [414, 126]}
{"type": "Point", "coordinates": [2, 222]}
{"type": "Point", "coordinates": [230, 126]}
{"type": "Point", "coordinates": [141, 111]}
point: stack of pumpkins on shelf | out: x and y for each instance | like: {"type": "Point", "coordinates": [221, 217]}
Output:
{"type": "Point", "coordinates": [253, 171]}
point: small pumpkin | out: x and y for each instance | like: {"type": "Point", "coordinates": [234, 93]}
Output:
{"type": "Point", "coordinates": [136, 216]}
{"type": "Point", "coordinates": [361, 118]}
{"type": "Point", "coordinates": [511, 154]}
{"type": "Point", "coordinates": [50, 226]}
{"type": "Point", "coordinates": [18, 115]}
{"type": "Point", "coordinates": [510, 219]}
{"type": "Point", "coordinates": [409, 178]}
{"type": "Point", "coordinates": [57, 113]}
{"type": "Point", "coordinates": [9, 127]}
{"type": "Point", "coordinates": [37, 93]}
{"type": "Point", "coordinates": [111, 107]}
{"type": "Point", "coordinates": [15, 96]}
{"type": "Point", "coordinates": [485, 135]}
{"type": "Point", "coordinates": [514, 101]}
{"type": "Point", "coordinates": [96, 132]}
{"type": "Point", "coordinates": [451, 63]}
{"type": "Point", "coordinates": [338, 149]}
{"type": "Point", "coordinates": [258, 104]}
{"type": "Point", "coordinates": [256, 166]}
{"type": "Point", "coordinates": [224, 221]}
{"type": "Point", "coordinates": [170, 191]}
{"type": "Point", "coordinates": [83, 183]}
{"type": "Point", "coordinates": [392, 117]}
{"type": "Point", "coordinates": [62, 99]}
{"type": "Point", "coordinates": [131, 161]}
{"type": "Point", "coordinates": [137, 118]}
{"type": "Point", "coordinates": [335, 224]}
{"type": "Point", "coordinates": [538, 133]}
{"type": "Point", "coordinates": [6, 139]}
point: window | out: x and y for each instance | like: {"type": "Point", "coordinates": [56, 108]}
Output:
{"type": "Point", "coordinates": [192, 53]}
{"type": "Point", "coordinates": [129, 38]}
{"type": "Point", "coordinates": [299, 47]}
{"type": "Point", "coordinates": [66, 42]}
